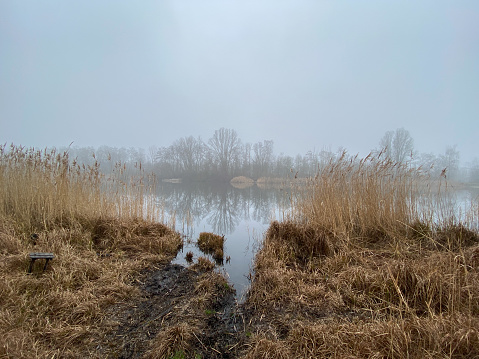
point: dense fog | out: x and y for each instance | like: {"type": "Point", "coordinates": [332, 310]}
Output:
{"type": "Point", "coordinates": [310, 76]}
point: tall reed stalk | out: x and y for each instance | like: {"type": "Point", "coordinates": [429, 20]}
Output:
{"type": "Point", "coordinates": [45, 189]}
{"type": "Point", "coordinates": [102, 230]}
{"type": "Point", "coordinates": [374, 261]}
{"type": "Point", "coordinates": [373, 196]}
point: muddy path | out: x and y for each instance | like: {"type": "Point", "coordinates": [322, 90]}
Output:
{"type": "Point", "coordinates": [181, 312]}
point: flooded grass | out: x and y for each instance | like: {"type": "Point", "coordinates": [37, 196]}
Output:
{"type": "Point", "coordinates": [189, 257]}
{"type": "Point", "coordinates": [204, 264]}
{"type": "Point", "coordinates": [211, 243]}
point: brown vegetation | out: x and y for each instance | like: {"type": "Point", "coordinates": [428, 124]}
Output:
{"type": "Point", "coordinates": [365, 268]}
{"type": "Point", "coordinates": [204, 264]}
{"type": "Point", "coordinates": [174, 342]}
{"type": "Point", "coordinates": [218, 255]}
{"type": "Point", "coordinates": [189, 257]}
{"type": "Point", "coordinates": [210, 242]}
{"type": "Point", "coordinates": [97, 230]}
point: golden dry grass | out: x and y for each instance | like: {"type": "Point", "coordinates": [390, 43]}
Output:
{"type": "Point", "coordinates": [174, 342]}
{"type": "Point", "coordinates": [268, 349]}
{"type": "Point", "coordinates": [203, 264]}
{"type": "Point", "coordinates": [210, 242]}
{"type": "Point", "coordinates": [367, 267]}
{"type": "Point", "coordinates": [210, 285]}
{"type": "Point", "coordinates": [101, 233]}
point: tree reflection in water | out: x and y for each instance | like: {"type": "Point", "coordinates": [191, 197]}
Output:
{"type": "Point", "coordinates": [223, 209]}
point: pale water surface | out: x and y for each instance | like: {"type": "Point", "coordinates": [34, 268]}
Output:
{"type": "Point", "coordinates": [242, 215]}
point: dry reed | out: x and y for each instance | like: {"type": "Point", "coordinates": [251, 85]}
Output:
{"type": "Point", "coordinates": [173, 342]}
{"type": "Point", "coordinates": [210, 242]}
{"type": "Point", "coordinates": [101, 232]}
{"type": "Point", "coordinates": [203, 264]}
{"type": "Point", "coordinates": [369, 264]}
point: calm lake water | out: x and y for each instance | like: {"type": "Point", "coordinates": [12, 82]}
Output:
{"type": "Point", "coordinates": [242, 215]}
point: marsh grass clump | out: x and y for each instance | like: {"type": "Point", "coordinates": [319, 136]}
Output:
{"type": "Point", "coordinates": [101, 232]}
{"type": "Point", "coordinates": [454, 237]}
{"type": "Point", "coordinates": [189, 256]}
{"type": "Point", "coordinates": [366, 267]}
{"type": "Point", "coordinates": [173, 342]}
{"type": "Point", "coordinates": [134, 235]}
{"type": "Point", "coordinates": [210, 242]}
{"type": "Point", "coordinates": [370, 199]}
{"type": "Point", "coordinates": [218, 255]}
{"type": "Point", "coordinates": [304, 241]}
{"type": "Point", "coordinates": [264, 348]}
{"type": "Point", "coordinates": [211, 290]}
{"type": "Point", "coordinates": [204, 264]}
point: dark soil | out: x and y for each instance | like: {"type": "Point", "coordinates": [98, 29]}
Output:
{"type": "Point", "coordinates": [170, 296]}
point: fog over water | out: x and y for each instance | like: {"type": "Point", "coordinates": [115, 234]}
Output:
{"type": "Point", "coordinates": [305, 74]}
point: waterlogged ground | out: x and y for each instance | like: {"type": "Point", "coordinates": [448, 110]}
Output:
{"type": "Point", "coordinates": [175, 296]}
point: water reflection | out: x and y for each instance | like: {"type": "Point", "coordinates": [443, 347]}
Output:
{"type": "Point", "coordinates": [222, 205]}
{"type": "Point", "coordinates": [241, 214]}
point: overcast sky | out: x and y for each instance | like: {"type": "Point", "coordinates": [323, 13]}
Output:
{"type": "Point", "coordinates": [306, 74]}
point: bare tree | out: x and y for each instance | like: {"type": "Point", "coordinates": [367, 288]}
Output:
{"type": "Point", "coordinates": [397, 145]}
{"type": "Point", "coordinates": [225, 146]}
{"type": "Point", "coordinates": [474, 170]}
{"type": "Point", "coordinates": [450, 162]}
{"type": "Point", "coordinates": [152, 151]}
{"type": "Point", "coordinates": [190, 152]}
{"type": "Point", "coordinates": [246, 160]}
{"type": "Point", "coordinates": [263, 157]}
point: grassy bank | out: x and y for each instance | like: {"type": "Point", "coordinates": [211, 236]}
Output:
{"type": "Point", "coordinates": [101, 231]}
{"type": "Point", "coordinates": [371, 263]}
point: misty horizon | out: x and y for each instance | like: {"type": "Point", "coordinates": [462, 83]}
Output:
{"type": "Point", "coordinates": [306, 75]}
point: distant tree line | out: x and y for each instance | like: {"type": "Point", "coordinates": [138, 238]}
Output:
{"type": "Point", "coordinates": [398, 146]}
{"type": "Point", "coordinates": [225, 156]}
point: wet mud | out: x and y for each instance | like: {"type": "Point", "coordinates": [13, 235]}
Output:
{"type": "Point", "coordinates": [173, 295]}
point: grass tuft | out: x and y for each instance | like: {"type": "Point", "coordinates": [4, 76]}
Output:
{"type": "Point", "coordinates": [265, 349]}
{"type": "Point", "coordinates": [204, 264]}
{"type": "Point", "coordinates": [189, 257]}
{"type": "Point", "coordinates": [173, 342]}
{"type": "Point", "coordinates": [210, 242]}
